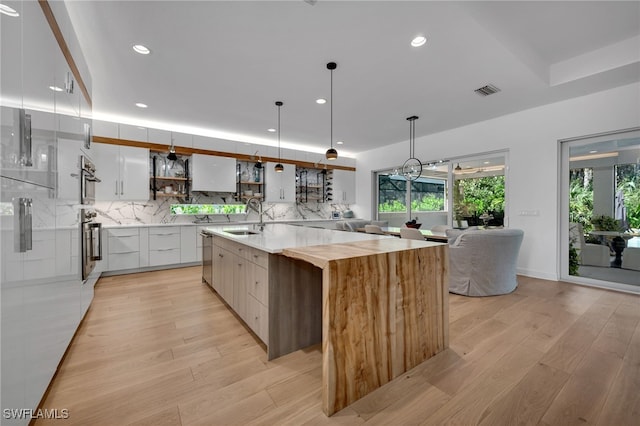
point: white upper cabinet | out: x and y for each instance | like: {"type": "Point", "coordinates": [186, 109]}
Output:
{"type": "Point", "coordinates": [280, 187]}
{"type": "Point", "coordinates": [343, 186]}
{"type": "Point", "coordinates": [105, 129]}
{"type": "Point", "coordinates": [124, 172]}
{"type": "Point", "coordinates": [213, 144]}
{"type": "Point", "coordinates": [211, 173]}
{"type": "Point", "coordinates": [133, 133]}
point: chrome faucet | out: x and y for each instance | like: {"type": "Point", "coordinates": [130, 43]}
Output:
{"type": "Point", "coordinates": [251, 204]}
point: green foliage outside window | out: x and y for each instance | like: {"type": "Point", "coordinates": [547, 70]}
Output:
{"type": "Point", "coordinates": [479, 195]}
{"type": "Point", "coordinates": [581, 194]}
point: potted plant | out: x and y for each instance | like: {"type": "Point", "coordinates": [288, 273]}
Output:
{"type": "Point", "coordinates": [605, 223]}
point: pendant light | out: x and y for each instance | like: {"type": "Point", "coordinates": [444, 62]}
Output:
{"type": "Point", "coordinates": [279, 167]}
{"type": "Point", "coordinates": [172, 151]}
{"type": "Point", "coordinates": [331, 154]}
{"type": "Point", "coordinates": [412, 168]}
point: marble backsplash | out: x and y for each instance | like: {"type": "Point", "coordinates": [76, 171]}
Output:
{"type": "Point", "coordinates": [157, 211]}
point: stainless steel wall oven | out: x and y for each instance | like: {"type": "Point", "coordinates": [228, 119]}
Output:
{"type": "Point", "coordinates": [88, 181]}
{"type": "Point", "coordinates": [91, 241]}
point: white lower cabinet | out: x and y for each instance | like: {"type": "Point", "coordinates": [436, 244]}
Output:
{"type": "Point", "coordinates": [142, 247]}
{"type": "Point", "coordinates": [123, 250]}
{"type": "Point", "coordinates": [164, 245]}
{"type": "Point", "coordinates": [189, 244]}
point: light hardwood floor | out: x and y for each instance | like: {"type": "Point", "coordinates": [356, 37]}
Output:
{"type": "Point", "coordinates": [160, 348]}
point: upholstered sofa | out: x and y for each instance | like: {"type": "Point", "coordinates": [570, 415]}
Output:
{"type": "Point", "coordinates": [482, 262]}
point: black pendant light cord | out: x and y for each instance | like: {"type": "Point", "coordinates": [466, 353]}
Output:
{"type": "Point", "coordinates": [279, 104]}
{"type": "Point", "coordinates": [331, 106]}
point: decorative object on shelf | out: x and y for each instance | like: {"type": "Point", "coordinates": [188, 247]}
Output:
{"type": "Point", "coordinates": [179, 183]}
{"type": "Point", "coordinates": [279, 167]}
{"type": "Point", "coordinates": [412, 168]}
{"type": "Point", "coordinates": [172, 151]}
{"type": "Point", "coordinates": [331, 154]}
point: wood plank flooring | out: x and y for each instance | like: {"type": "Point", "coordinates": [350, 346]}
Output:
{"type": "Point", "coordinates": [160, 348]}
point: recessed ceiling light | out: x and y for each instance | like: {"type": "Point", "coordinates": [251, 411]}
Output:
{"type": "Point", "coordinates": [141, 49]}
{"type": "Point", "coordinates": [321, 101]}
{"type": "Point", "coordinates": [487, 162]}
{"type": "Point", "coordinates": [592, 151]}
{"type": "Point", "coordinates": [271, 130]}
{"type": "Point", "coordinates": [141, 105]}
{"type": "Point", "coordinates": [418, 41]}
{"type": "Point", "coordinates": [339, 142]}
{"type": "Point", "coordinates": [9, 11]}
{"type": "Point", "coordinates": [56, 88]}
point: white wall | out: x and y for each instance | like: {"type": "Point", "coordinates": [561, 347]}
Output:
{"type": "Point", "coordinates": [531, 137]}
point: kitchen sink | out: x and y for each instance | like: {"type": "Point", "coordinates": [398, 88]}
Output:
{"type": "Point", "coordinates": [241, 232]}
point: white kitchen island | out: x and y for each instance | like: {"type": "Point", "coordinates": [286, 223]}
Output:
{"type": "Point", "coordinates": [378, 304]}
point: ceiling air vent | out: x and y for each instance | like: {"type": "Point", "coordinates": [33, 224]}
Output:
{"type": "Point", "coordinates": [487, 90]}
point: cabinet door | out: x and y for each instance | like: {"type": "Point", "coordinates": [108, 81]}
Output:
{"type": "Point", "coordinates": [106, 158]}
{"type": "Point", "coordinates": [218, 268]}
{"type": "Point", "coordinates": [188, 244]}
{"type": "Point", "coordinates": [134, 173]}
{"type": "Point", "coordinates": [280, 187]}
{"type": "Point", "coordinates": [211, 173]}
{"type": "Point", "coordinates": [344, 186]}
{"type": "Point", "coordinates": [226, 282]}
{"type": "Point", "coordinates": [240, 274]}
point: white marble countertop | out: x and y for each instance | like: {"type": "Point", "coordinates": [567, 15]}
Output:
{"type": "Point", "coordinates": [276, 237]}
{"type": "Point", "coordinates": [222, 223]}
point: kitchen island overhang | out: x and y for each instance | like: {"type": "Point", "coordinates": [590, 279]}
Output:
{"type": "Point", "coordinates": [379, 305]}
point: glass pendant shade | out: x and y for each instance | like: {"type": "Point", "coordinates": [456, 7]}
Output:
{"type": "Point", "coordinates": [331, 154]}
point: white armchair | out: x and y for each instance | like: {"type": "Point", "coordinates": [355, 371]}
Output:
{"type": "Point", "coordinates": [589, 254]}
{"type": "Point", "coordinates": [483, 262]}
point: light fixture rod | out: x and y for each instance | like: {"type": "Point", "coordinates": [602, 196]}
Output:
{"type": "Point", "coordinates": [412, 135]}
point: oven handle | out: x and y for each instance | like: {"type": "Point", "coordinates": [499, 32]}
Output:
{"type": "Point", "coordinates": [96, 243]}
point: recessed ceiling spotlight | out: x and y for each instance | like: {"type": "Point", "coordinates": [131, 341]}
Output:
{"type": "Point", "coordinates": [271, 130]}
{"type": "Point", "coordinates": [487, 162]}
{"type": "Point", "coordinates": [593, 151]}
{"type": "Point", "coordinates": [141, 49]}
{"type": "Point", "coordinates": [418, 41]}
{"type": "Point", "coordinates": [141, 105]}
{"type": "Point", "coordinates": [321, 101]}
{"type": "Point", "coordinates": [9, 11]}
{"type": "Point", "coordinates": [56, 88]}
{"type": "Point", "coordinates": [339, 142]}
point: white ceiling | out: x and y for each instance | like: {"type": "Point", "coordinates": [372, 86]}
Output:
{"type": "Point", "coordinates": [219, 66]}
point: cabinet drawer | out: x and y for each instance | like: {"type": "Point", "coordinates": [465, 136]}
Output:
{"type": "Point", "coordinates": [236, 248]}
{"type": "Point", "coordinates": [259, 257]}
{"type": "Point", "coordinates": [118, 261]}
{"type": "Point", "coordinates": [124, 244]}
{"type": "Point", "coordinates": [164, 230]}
{"type": "Point", "coordinates": [258, 318]}
{"type": "Point", "coordinates": [164, 257]}
{"type": "Point", "coordinates": [123, 232]}
{"type": "Point", "coordinates": [258, 284]}
{"type": "Point", "coordinates": [164, 241]}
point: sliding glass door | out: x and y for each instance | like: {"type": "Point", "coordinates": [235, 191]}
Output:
{"type": "Point", "coordinates": [600, 216]}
